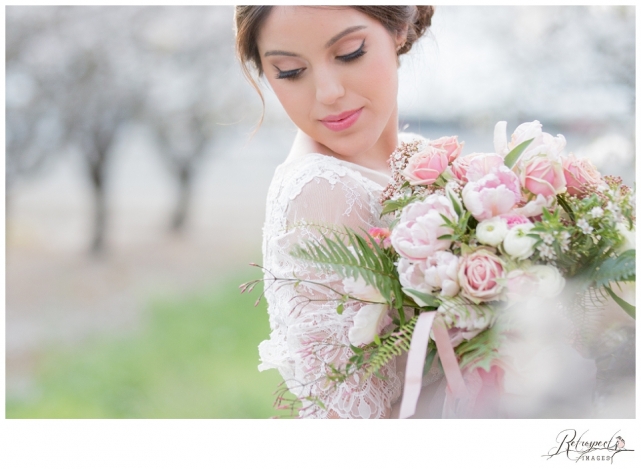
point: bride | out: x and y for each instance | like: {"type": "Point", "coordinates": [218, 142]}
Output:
{"type": "Point", "coordinates": [335, 72]}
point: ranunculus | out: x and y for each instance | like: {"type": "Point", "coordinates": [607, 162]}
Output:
{"type": "Point", "coordinates": [579, 172]}
{"type": "Point", "coordinates": [420, 225]}
{"type": "Point", "coordinates": [492, 231]}
{"type": "Point", "coordinates": [460, 165]}
{"type": "Point", "coordinates": [493, 194]}
{"type": "Point", "coordinates": [369, 321]}
{"type": "Point", "coordinates": [479, 274]}
{"type": "Point", "coordinates": [358, 288]}
{"type": "Point", "coordinates": [541, 175]}
{"type": "Point", "coordinates": [441, 272]}
{"type": "Point", "coordinates": [426, 166]}
{"type": "Point", "coordinates": [482, 165]}
{"type": "Point", "coordinates": [628, 237]}
{"type": "Point", "coordinates": [517, 243]}
{"type": "Point", "coordinates": [381, 235]}
{"type": "Point", "coordinates": [451, 146]}
{"type": "Point", "coordinates": [513, 219]}
{"type": "Point", "coordinates": [550, 282]}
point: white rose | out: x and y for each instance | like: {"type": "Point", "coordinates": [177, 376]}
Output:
{"type": "Point", "coordinates": [368, 321]}
{"type": "Point", "coordinates": [549, 279]}
{"type": "Point", "coordinates": [628, 237]}
{"type": "Point", "coordinates": [517, 243]}
{"type": "Point", "coordinates": [492, 231]}
{"type": "Point", "coordinates": [358, 288]}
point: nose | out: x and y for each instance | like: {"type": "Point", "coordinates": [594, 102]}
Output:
{"type": "Point", "coordinates": [329, 87]}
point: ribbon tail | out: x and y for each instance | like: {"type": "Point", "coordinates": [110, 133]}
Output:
{"type": "Point", "coordinates": [462, 399]}
{"type": "Point", "coordinates": [415, 364]}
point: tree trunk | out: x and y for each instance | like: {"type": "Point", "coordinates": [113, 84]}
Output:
{"type": "Point", "coordinates": [97, 170]}
{"type": "Point", "coordinates": [184, 196]}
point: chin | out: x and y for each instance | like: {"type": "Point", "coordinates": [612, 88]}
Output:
{"type": "Point", "coordinates": [353, 144]}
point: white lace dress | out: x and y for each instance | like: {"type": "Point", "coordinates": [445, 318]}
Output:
{"type": "Point", "coordinates": [321, 189]}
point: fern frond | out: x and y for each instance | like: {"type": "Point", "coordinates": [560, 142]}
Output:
{"type": "Point", "coordinates": [393, 346]}
{"type": "Point", "coordinates": [615, 269]}
{"type": "Point", "coordinates": [351, 255]}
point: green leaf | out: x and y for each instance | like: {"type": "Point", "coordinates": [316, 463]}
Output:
{"type": "Point", "coordinates": [340, 308]}
{"type": "Point", "coordinates": [512, 157]}
{"type": "Point", "coordinates": [614, 269]}
{"type": "Point", "coordinates": [377, 339]}
{"type": "Point", "coordinates": [426, 298]}
{"type": "Point", "coordinates": [627, 307]}
{"type": "Point", "coordinates": [457, 207]}
{"type": "Point", "coordinates": [355, 349]}
{"type": "Point", "coordinates": [429, 359]}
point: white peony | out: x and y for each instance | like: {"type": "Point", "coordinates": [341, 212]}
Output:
{"type": "Point", "coordinates": [368, 321]}
{"type": "Point", "coordinates": [517, 243]}
{"type": "Point", "coordinates": [550, 282]}
{"type": "Point", "coordinates": [441, 272]}
{"type": "Point", "coordinates": [492, 231]}
{"type": "Point", "coordinates": [358, 288]}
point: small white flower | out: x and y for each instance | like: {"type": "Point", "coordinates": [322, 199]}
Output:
{"type": "Point", "coordinates": [517, 243]}
{"type": "Point", "coordinates": [550, 281]}
{"type": "Point", "coordinates": [547, 238]}
{"type": "Point", "coordinates": [492, 232]}
{"type": "Point", "coordinates": [546, 251]}
{"type": "Point", "coordinates": [596, 212]}
{"type": "Point", "coordinates": [585, 226]}
{"type": "Point", "coordinates": [565, 241]}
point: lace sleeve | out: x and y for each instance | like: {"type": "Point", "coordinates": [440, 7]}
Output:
{"type": "Point", "coordinates": [307, 330]}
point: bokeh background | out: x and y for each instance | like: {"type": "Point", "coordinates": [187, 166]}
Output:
{"type": "Point", "coordinates": [135, 187]}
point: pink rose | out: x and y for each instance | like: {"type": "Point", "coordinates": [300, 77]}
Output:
{"type": "Point", "coordinates": [493, 194]}
{"type": "Point", "coordinates": [478, 276]}
{"type": "Point", "coordinates": [513, 219]}
{"type": "Point", "coordinates": [460, 165]}
{"type": "Point", "coordinates": [451, 146]}
{"type": "Point", "coordinates": [420, 225]}
{"type": "Point", "coordinates": [426, 166]}
{"type": "Point", "coordinates": [579, 172]}
{"type": "Point", "coordinates": [541, 175]}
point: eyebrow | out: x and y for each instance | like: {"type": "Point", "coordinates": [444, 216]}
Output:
{"type": "Point", "coordinates": [329, 43]}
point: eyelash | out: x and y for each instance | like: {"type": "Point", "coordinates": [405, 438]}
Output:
{"type": "Point", "coordinates": [293, 74]}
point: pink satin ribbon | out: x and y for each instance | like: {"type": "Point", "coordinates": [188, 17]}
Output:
{"type": "Point", "coordinates": [416, 362]}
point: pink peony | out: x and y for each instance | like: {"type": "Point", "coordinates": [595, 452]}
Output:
{"type": "Point", "coordinates": [579, 172]}
{"type": "Point", "coordinates": [420, 225]}
{"type": "Point", "coordinates": [520, 284]}
{"type": "Point", "coordinates": [482, 165]}
{"type": "Point", "coordinates": [426, 166]}
{"type": "Point", "coordinates": [513, 219]}
{"type": "Point", "coordinates": [451, 146]}
{"type": "Point", "coordinates": [541, 175]}
{"type": "Point", "coordinates": [479, 274]}
{"type": "Point", "coordinates": [534, 208]}
{"type": "Point", "coordinates": [542, 143]}
{"type": "Point", "coordinates": [494, 194]}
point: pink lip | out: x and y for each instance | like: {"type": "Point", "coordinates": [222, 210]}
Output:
{"type": "Point", "coordinates": [342, 121]}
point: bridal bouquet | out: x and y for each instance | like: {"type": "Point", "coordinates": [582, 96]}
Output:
{"type": "Point", "coordinates": [469, 236]}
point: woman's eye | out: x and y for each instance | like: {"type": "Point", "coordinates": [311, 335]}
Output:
{"type": "Point", "coordinates": [354, 55]}
{"type": "Point", "coordinates": [288, 74]}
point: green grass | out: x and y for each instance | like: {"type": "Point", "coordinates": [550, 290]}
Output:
{"type": "Point", "coordinates": [196, 357]}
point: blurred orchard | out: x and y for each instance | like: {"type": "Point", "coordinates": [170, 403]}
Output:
{"type": "Point", "coordinates": [135, 187]}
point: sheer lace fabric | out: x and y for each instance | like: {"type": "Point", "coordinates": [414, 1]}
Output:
{"type": "Point", "coordinates": [307, 333]}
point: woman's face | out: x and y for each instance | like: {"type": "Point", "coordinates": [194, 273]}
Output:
{"type": "Point", "coordinates": [334, 70]}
